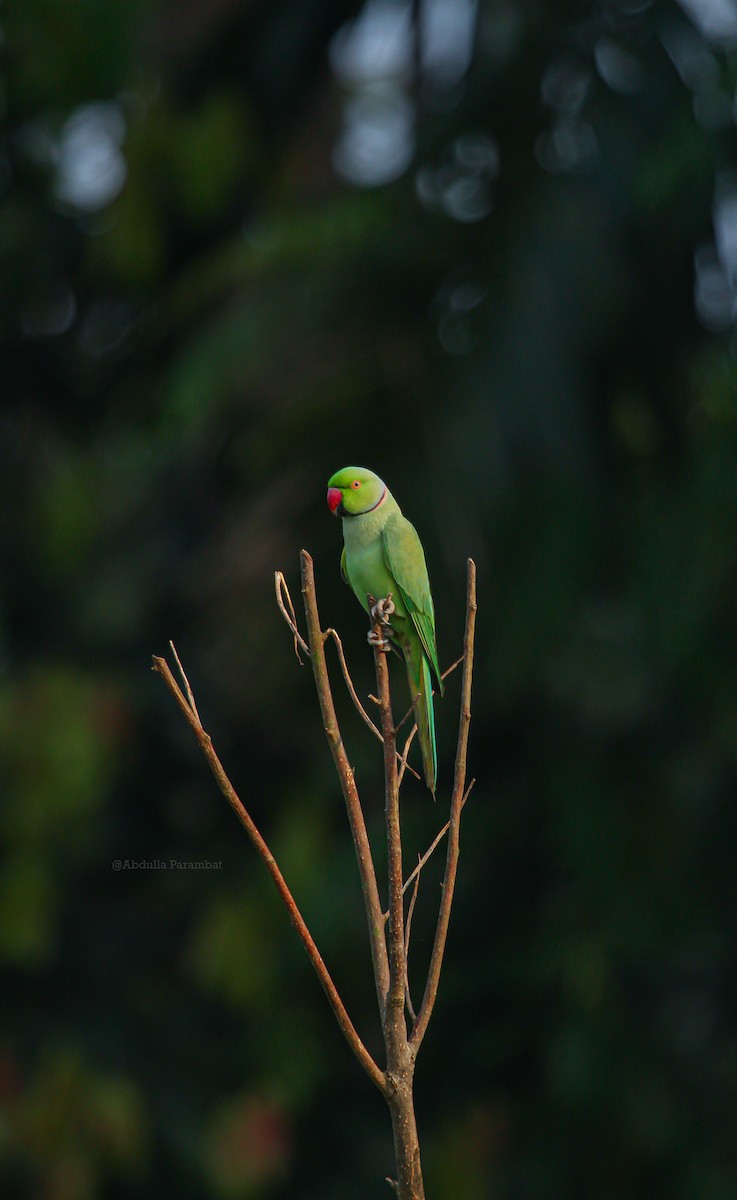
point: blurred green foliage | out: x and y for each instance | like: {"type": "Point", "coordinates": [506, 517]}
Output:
{"type": "Point", "coordinates": [218, 286]}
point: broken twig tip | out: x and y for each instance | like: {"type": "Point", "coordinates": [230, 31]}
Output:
{"type": "Point", "coordinates": [185, 681]}
{"type": "Point", "coordinates": [286, 608]}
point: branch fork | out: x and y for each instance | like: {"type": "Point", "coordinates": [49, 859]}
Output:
{"type": "Point", "coordinates": [403, 1028]}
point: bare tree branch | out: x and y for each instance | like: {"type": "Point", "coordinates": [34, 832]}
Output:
{"type": "Point", "coordinates": [448, 671]}
{"type": "Point", "coordinates": [415, 874]}
{"type": "Point", "coordinates": [407, 715]}
{"type": "Point", "coordinates": [185, 681]}
{"type": "Point", "coordinates": [344, 770]}
{"type": "Point", "coordinates": [349, 684]}
{"type": "Point", "coordinates": [389, 933]}
{"type": "Point", "coordinates": [407, 934]}
{"type": "Point", "coordinates": [403, 764]}
{"type": "Point", "coordinates": [286, 607]}
{"type": "Point", "coordinates": [400, 1058]}
{"type": "Point", "coordinates": [459, 784]}
{"type": "Point", "coordinates": [290, 617]}
{"type": "Point", "coordinates": [397, 966]}
{"type": "Point", "coordinates": [354, 695]}
{"type": "Point", "coordinates": [189, 710]}
{"type": "Point", "coordinates": [435, 842]}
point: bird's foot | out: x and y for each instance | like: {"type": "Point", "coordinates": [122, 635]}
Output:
{"type": "Point", "coordinates": [382, 610]}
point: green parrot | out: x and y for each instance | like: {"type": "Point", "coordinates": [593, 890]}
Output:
{"type": "Point", "coordinates": [383, 557]}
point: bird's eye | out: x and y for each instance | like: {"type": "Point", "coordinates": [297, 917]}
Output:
{"type": "Point", "coordinates": [356, 483]}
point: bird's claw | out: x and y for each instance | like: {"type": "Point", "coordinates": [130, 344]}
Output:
{"type": "Point", "coordinates": [375, 639]}
{"type": "Point", "coordinates": [382, 610]}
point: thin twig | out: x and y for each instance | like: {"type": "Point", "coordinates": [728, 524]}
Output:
{"type": "Point", "coordinates": [185, 681]}
{"type": "Point", "coordinates": [290, 617]}
{"type": "Point", "coordinates": [366, 869]}
{"type": "Point", "coordinates": [407, 932]}
{"type": "Point", "coordinates": [435, 842]}
{"type": "Point", "coordinates": [349, 683]}
{"type": "Point", "coordinates": [346, 1025]}
{"type": "Point", "coordinates": [459, 785]}
{"type": "Point", "coordinates": [395, 1033]}
{"type": "Point", "coordinates": [431, 848]}
{"type": "Point", "coordinates": [354, 694]}
{"type": "Point", "coordinates": [448, 671]}
{"type": "Point", "coordinates": [403, 764]}
{"type": "Point", "coordinates": [407, 715]}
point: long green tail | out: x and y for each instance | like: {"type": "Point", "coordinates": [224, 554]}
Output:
{"type": "Point", "coordinates": [420, 687]}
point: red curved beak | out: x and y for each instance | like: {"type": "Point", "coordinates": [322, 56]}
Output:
{"type": "Point", "coordinates": [334, 498]}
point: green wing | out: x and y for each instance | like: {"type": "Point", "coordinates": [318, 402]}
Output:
{"type": "Point", "coordinates": [405, 558]}
{"type": "Point", "coordinates": [343, 572]}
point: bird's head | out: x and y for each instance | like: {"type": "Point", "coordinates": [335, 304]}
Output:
{"type": "Point", "coordinates": [353, 491]}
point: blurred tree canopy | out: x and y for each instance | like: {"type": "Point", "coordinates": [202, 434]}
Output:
{"type": "Point", "coordinates": [489, 249]}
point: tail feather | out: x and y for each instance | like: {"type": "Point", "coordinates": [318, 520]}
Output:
{"type": "Point", "coordinates": [420, 686]}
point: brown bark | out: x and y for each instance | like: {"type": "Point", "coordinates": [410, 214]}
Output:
{"type": "Point", "coordinates": [388, 936]}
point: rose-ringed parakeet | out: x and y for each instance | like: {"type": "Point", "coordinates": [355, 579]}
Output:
{"type": "Point", "coordinates": [383, 557]}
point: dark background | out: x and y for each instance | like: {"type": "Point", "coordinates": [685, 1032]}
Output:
{"type": "Point", "coordinates": [244, 244]}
